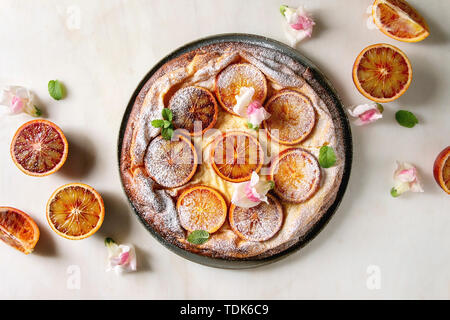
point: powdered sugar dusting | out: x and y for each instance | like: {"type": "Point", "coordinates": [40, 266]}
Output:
{"type": "Point", "coordinates": [201, 69]}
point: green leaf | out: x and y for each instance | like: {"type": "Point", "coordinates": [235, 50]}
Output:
{"type": "Point", "coordinates": [167, 133]}
{"type": "Point", "coordinates": [406, 118]}
{"type": "Point", "coordinates": [56, 89]}
{"type": "Point", "coordinates": [198, 237]}
{"type": "Point", "coordinates": [394, 192]}
{"type": "Point", "coordinates": [327, 157]}
{"type": "Point", "coordinates": [251, 126]}
{"type": "Point", "coordinates": [167, 124]}
{"type": "Point", "coordinates": [283, 9]}
{"type": "Point", "coordinates": [109, 241]}
{"type": "Point", "coordinates": [158, 123]}
{"type": "Point", "coordinates": [272, 184]}
{"type": "Point", "coordinates": [380, 107]}
{"type": "Point", "coordinates": [167, 114]}
{"type": "Point", "coordinates": [37, 112]}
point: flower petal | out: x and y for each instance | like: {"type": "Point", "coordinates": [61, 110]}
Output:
{"type": "Point", "coordinates": [366, 113]}
{"type": "Point", "coordinates": [243, 100]}
{"type": "Point", "coordinates": [298, 24]}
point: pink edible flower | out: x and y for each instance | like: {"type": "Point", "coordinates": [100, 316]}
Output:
{"type": "Point", "coordinates": [248, 108]}
{"type": "Point", "coordinates": [406, 179]}
{"type": "Point", "coordinates": [298, 24]}
{"type": "Point", "coordinates": [366, 113]}
{"type": "Point", "coordinates": [19, 99]}
{"type": "Point", "coordinates": [251, 193]}
{"type": "Point", "coordinates": [120, 257]}
{"type": "Point", "coordinates": [256, 113]}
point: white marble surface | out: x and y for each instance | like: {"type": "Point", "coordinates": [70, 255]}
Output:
{"type": "Point", "coordinates": [102, 62]}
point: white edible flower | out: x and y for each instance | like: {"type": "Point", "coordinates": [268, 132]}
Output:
{"type": "Point", "coordinates": [406, 179]}
{"type": "Point", "coordinates": [251, 193]}
{"type": "Point", "coordinates": [298, 24]}
{"type": "Point", "coordinates": [121, 258]}
{"type": "Point", "coordinates": [19, 99]}
{"type": "Point", "coordinates": [366, 113]}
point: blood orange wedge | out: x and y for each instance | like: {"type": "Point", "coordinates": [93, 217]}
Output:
{"type": "Point", "coordinates": [75, 211]}
{"type": "Point", "coordinates": [399, 20]}
{"type": "Point", "coordinates": [230, 81]}
{"type": "Point", "coordinates": [441, 169]}
{"type": "Point", "coordinates": [235, 155]}
{"type": "Point", "coordinates": [296, 174]}
{"type": "Point", "coordinates": [259, 223]}
{"type": "Point", "coordinates": [382, 72]}
{"type": "Point", "coordinates": [193, 104]}
{"type": "Point", "coordinates": [18, 229]}
{"type": "Point", "coordinates": [201, 208]}
{"type": "Point", "coordinates": [39, 148]}
{"type": "Point", "coordinates": [292, 117]}
{"type": "Point", "coordinates": [171, 163]}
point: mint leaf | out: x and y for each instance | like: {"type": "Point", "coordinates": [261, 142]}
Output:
{"type": "Point", "coordinates": [406, 118]}
{"type": "Point", "coordinates": [167, 133]}
{"type": "Point", "coordinates": [158, 123]}
{"type": "Point", "coordinates": [394, 192]}
{"type": "Point", "coordinates": [167, 114]}
{"type": "Point", "coordinates": [167, 124]}
{"type": "Point", "coordinates": [251, 126]}
{"type": "Point", "coordinates": [56, 89]}
{"type": "Point", "coordinates": [327, 157]}
{"type": "Point", "coordinates": [198, 237]}
{"type": "Point", "coordinates": [283, 9]}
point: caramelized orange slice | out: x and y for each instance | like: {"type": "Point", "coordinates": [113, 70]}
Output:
{"type": "Point", "coordinates": [75, 211]}
{"type": "Point", "coordinates": [259, 223]}
{"type": "Point", "coordinates": [441, 169]}
{"type": "Point", "coordinates": [193, 106]}
{"type": "Point", "coordinates": [171, 163]}
{"type": "Point", "coordinates": [230, 81]}
{"type": "Point", "coordinates": [39, 148]}
{"type": "Point", "coordinates": [18, 229]}
{"type": "Point", "coordinates": [292, 117]}
{"type": "Point", "coordinates": [399, 20]}
{"type": "Point", "coordinates": [296, 174]}
{"type": "Point", "coordinates": [235, 155]}
{"type": "Point", "coordinates": [201, 208]}
{"type": "Point", "coordinates": [382, 72]}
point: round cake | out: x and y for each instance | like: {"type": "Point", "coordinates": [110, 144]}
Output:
{"type": "Point", "coordinates": [186, 183]}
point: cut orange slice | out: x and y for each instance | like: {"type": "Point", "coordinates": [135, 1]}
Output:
{"type": "Point", "coordinates": [259, 223]}
{"type": "Point", "coordinates": [235, 155]}
{"type": "Point", "coordinates": [399, 20]}
{"type": "Point", "coordinates": [171, 163]}
{"type": "Point", "coordinates": [75, 211]}
{"type": "Point", "coordinates": [193, 106]}
{"type": "Point", "coordinates": [296, 174]}
{"type": "Point", "coordinates": [39, 148]}
{"type": "Point", "coordinates": [230, 81]}
{"type": "Point", "coordinates": [441, 169]}
{"type": "Point", "coordinates": [292, 117]}
{"type": "Point", "coordinates": [382, 72]}
{"type": "Point", "coordinates": [201, 208]}
{"type": "Point", "coordinates": [18, 229]}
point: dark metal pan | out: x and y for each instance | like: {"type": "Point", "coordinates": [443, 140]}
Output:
{"type": "Point", "coordinates": [341, 120]}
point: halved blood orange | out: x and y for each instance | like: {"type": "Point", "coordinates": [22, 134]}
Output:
{"type": "Point", "coordinates": [191, 105]}
{"type": "Point", "coordinates": [75, 211]}
{"type": "Point", "coordinates": [259, 223]}
{"type": "Point", "coordinates": [18, 229]}
{"type": "Point", "coordinates": [296, 174]}
{"type": "Point", "coordinates": [235, 155]}
{"type": "Point", "coordinates": [171, 163]}
{"type": "Point", "coordinates": [201, 208]}
{"type": "Point", "coordinates": [441, 169]}
{"type": "Point", "coordinates": [399, 20]}
{"type": "Point", "coordinates": [39, 148]}
{"type": "Point", "coordinates": [292, 117]}
{"type": "Point", "coordinates": [382, 72]}
{"type": "Point", "coordinates": [230, 81]}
